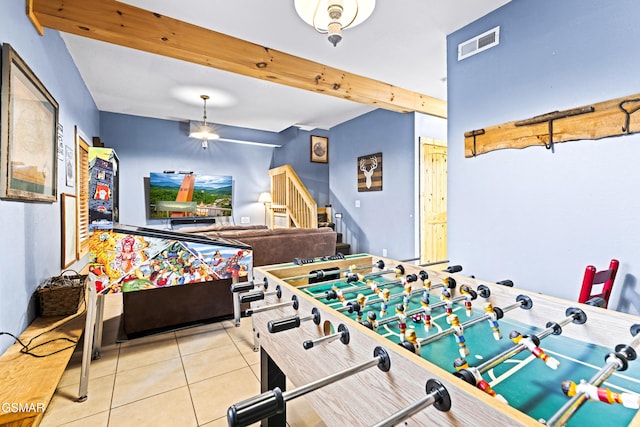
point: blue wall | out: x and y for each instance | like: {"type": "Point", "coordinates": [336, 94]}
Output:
{"type": "Point", "coordinates": [385, 219]}
{"type": "Point", "coordinates": [532, 215]}
{"type": "Point", "coordinates": [30, 232]}
{"type": "Point", "coordinates": [147, 145]}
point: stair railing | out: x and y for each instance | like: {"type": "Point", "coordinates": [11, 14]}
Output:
{"type": "Point", "coordinates": [292, 202]}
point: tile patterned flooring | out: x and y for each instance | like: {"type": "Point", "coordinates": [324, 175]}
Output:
{"type": "Point", "coordinates": [187, 377]}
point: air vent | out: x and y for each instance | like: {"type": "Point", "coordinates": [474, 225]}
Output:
{"type": "Point", "coordinates": [479, 43]}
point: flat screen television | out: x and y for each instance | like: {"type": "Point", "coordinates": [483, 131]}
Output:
{"type": "Point", "coordinates": [186, 195]}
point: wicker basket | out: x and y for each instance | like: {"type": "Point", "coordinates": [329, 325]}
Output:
{"type": "Point", "coordinates": [62, 295]}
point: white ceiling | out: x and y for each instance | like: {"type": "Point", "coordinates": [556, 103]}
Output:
{"type": "Point", "coordinates": [403, 43]}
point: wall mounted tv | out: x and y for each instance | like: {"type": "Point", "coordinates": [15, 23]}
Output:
{"type": "Point", "coordinates": [178, 195]}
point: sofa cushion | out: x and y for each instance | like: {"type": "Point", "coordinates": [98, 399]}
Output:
{"type": "Point", "coordinates": [280, 245]}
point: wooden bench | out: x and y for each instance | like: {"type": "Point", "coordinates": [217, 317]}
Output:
{"type": "Point", "coordinates": [28, 383]}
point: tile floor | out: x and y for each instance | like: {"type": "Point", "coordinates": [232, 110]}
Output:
{"type": "Point", "coordinates": [182, 378]}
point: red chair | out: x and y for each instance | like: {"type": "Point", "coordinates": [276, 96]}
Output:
{"type": "Point", "coordinates": [604, 278]}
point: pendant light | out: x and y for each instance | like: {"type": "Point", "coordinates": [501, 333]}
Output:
{"type": "Point", "coordinates": [204, 132]}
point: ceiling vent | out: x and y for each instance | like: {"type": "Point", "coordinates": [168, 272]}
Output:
{"type": "Point", "coordinates": [479, 43]}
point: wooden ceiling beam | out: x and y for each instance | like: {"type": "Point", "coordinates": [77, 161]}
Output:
{"type": "Point", "coordinates": [125, 25]}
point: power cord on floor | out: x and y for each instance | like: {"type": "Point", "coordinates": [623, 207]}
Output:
{"type": "Point", "coordinates": [26, 349]}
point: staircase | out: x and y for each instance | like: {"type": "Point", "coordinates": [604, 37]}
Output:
{"type": "Point", "coordinates": [293, 205]}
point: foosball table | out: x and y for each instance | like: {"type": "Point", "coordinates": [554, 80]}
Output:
{"type": "Point", "coordinates": [377, 342]}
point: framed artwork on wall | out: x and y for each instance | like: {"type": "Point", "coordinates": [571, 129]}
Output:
{"type": "Point", "coordinates": [319, 149]}
{"type": "Point", "coordinates": [69, 223]}
{"type": "Point", "coordinates": [370, 172]}
{"type": "Point", "coordinates": [28, 129]}
{"type": "Point", "coordinates": [69, 166]}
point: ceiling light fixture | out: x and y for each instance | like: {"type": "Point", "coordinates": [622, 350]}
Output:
{"type": "Point", "coordinates": [332, 16]}
{"type": "Point", "coordinates": [204, 132]}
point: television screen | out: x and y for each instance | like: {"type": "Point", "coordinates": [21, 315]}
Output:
{"type": "Point", "coordinates": [176, 195]}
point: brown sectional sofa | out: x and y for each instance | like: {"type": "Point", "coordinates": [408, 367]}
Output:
{"type": "Point", "coordinates": [275, 246]}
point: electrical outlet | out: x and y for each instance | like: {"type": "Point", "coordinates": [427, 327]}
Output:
{"type": "Point", "coordinates": [357, 203]}
{"type": "Point", "coordinates": [384, 252]}
{"type": "Point", "coordinates": [245, 220]}
{"type": "Point", "coordinates": [338, 215]}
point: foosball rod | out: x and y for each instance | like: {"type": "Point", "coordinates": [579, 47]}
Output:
{"type": "Point", "coordinates": [273, 402]}
{"type": "Point", "coordinates": [574, 315]}
{"type": "Point", "coordinates": [343, 334]}
{"type": "Point", "coordinates": [349, 306]}
{"type": "Point", "coordinates": [437, 396]}
{"type": "Point", "coordinates": [323, 273]}
{"type": "Point", "coordinates": [333, 294]}
{"type": "Point", "coordinates": [354, 277]}
{"type": "Point", "coordinates": [422, 275]}
{"type": "Point", "coordinates": [419, 310]}
{"type": "Point", "coordinates": [294, 303]}
{"type": "Point", "coordinates": [615, 361]}
{"type": "Point", "coordinates": [523, 302]}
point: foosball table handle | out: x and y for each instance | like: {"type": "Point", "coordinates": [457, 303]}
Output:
{"type": "Point", "coordinates": [291, 322]}
{"type": "Point", "coordinates": [283, 324]}
{"type": "Point", "coordinates": [256, 408]}
{"type": "Point", "coordinates": [453, 269]}
{"type": "Point", "coordinates": [242, 287]}
{"type": "Point", "coordinates": [251, 296]}
{"type": "Point", "coordinates": [507, 282]}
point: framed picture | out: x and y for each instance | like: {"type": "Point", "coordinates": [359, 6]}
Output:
{"type": "Point", "coordinates": [319, 149]}
{"type": "Point", "coordinates": [69, 229]}
{"type": "Point", "coordinates": [28, 128]}
{"type": "Point", "coordinates": [69, 166]}
{"type": "Point", "coordinates": [370, 172]}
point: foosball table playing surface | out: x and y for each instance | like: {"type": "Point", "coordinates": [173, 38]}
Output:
{"type": "Point", "coordinates": [435, 347]}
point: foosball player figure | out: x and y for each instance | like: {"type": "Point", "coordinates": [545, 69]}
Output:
{"type": "Point", "coordinates": [339, 295]}
{"type": "Point", "coordinates": [426, 282]}
{"type": "Point", "coordinates": [373, 285]}
{"type": "Point", "coordinates": [413, 339]}
{"type": "Point", "coordinates": [528, 342]}
{"type": "Point", "coordinates": [493, 320]}
{"type": "Point", "coordinates": [458, 332]}
{"type": "Point", "coordinates": [461, 363]}
{"type": "Point", "coordinates": [426, 317]}
{"type": "Point", "coordinates": [371, 321]}
{"type": "Point", "coordinates": [466, 291]}
{"type": "Point", "coordinates": [446, 297]}
{"type": "Point", "coordinates": [399, 271]}
{"type": "Point", "coordinates": [402, 321]}
{"type": "Point", "coordinates": [406, 294]}
{"type": "Point", "coordinates": [628, 400]}
{"type": "Point", "coordinates": [361, 299]}
{"type": "Point", "coordinates": [384, 304]}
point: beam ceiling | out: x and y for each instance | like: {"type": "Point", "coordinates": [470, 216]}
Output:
{"type": "Point", "coordinates": [125, 25]}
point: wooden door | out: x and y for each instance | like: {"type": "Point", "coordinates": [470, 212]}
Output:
{"type": "Point", "coordinates": [433, 200]}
